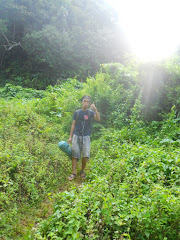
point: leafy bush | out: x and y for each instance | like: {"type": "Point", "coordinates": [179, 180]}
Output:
{"type": "Point", "coordinates": [31, 163]}
{"type": "Point", "coordinates": [132, 188]}
{"type": "Point", "coordinates": [131, 193]}
{"type": "Point", "coordinates": [10, 91]}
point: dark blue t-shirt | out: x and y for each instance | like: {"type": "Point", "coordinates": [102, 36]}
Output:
{"type": "Point", "coordinates": [83, 122]}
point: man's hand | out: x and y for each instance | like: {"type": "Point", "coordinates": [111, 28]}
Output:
{"type": "Point", "coordinates": [97, 115]}
{"type": "Point", "coordinates": [70, 140]}
{"type": "Point", "coordinates": [93, 106]}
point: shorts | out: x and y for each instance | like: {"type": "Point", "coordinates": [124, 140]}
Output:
{"type": "Point", "coordinates": [80, 144]}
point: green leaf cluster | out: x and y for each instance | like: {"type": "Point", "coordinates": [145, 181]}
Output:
{"type": "Point", "coordinates": [131, 193]}
{"type": "Point", "coordinates": [42, 41]}
{"type": "Point", "coordinates": [132, 187]}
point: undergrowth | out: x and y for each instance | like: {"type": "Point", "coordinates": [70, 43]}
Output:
{"type": "Point", "coordinates": [132, 187]}
{"type": "Point", "coordinates": [132, 192]}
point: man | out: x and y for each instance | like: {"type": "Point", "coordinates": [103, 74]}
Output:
{"type": "Point", "coordinates": [80, 134]}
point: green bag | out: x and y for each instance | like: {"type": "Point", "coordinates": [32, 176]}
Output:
{"type": "Point", "coordinates": [64, 146]}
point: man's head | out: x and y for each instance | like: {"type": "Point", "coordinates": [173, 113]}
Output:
{"type": "Point", "coordinates": [85, 102]}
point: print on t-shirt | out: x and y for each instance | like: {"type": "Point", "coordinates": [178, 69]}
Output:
{"type": "Point", "coordinates": [85, 117]}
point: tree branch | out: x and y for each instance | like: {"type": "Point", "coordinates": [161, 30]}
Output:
{"type": "Point", "coordinates": [12, 45]}
{"type": "Point", "coordinates": [9, 44]}
{"type": "Point", "coordinates": [6, 38]}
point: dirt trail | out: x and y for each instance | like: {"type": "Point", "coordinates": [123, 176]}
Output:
{"type": "Point", "coordinates": [33, 216]}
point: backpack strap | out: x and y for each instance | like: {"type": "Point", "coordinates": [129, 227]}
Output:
{"type": "Point", "coordinates": [78, 111]}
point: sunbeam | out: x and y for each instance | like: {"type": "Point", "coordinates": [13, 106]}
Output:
{"type": "Point", "coordinates": [151, 27]}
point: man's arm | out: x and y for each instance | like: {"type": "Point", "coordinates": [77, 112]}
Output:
{"type": "Point", "coordinates": [97, 115]}
{"type": "Point", "coordinates": [72, 131]}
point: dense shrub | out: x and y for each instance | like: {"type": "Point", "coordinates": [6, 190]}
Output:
{"type": "Point", "coordinates": [10, 91]}
{"type": "Point", "coordinates": [131, 193]}
{"type": "Point", "coordinates": [31, 163]}
{"type": "Point", "coordinates": [132, 187]}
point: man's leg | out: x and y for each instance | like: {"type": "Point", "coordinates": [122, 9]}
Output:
{"type": "Point", "coordinates": [85, 153]}
{"type": "Point", "coordinates": [74, 163]}
{"type": "Point", "coordinates": [73, 175]}
{"type": "Point", "coordinates": [75, 154]}
{"type": "Point", "coordinates": [84, 161]}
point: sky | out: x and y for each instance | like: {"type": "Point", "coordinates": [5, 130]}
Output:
{"type": "Point", "coordinates": [151, 27]}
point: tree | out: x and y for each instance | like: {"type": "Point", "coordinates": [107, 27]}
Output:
{"type": "Point", "coordinates": [57, 38]}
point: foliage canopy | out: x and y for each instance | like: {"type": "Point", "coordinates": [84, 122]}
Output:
{"type": "Point", "coordinates": [42, 41]}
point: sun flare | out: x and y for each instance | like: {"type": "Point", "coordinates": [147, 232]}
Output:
{"type": "Point", "coordinates": [151, 27]}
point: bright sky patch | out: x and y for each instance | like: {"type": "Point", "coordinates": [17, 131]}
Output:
{"type": "Point", "coordinates": [151, 26]}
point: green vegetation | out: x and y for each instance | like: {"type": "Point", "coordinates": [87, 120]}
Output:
{"type": "Point", "coordinates": [51, 54]}
{"type": "Point", "coordinates": [130, 192]}
{"type": "Point", "coordinates": [132, 186]}
{"type": "Point", "coordinates": [44, 42]}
